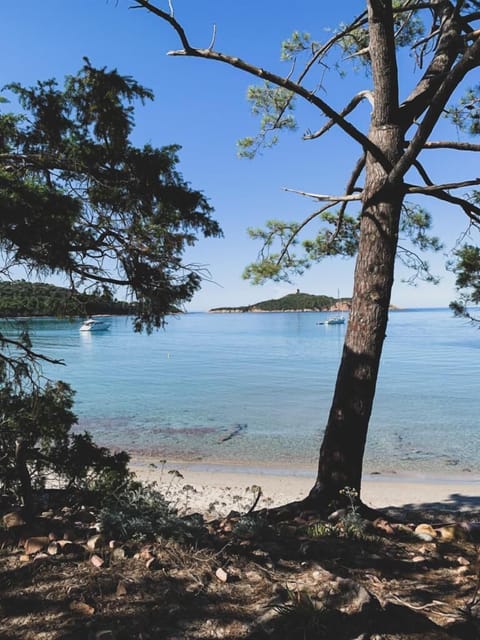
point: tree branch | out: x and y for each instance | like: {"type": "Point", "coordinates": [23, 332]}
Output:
{"type": "Point", "coordinates": [350, 187]}
{"type": "Point", "coordinates": [326, 198]}
{"type": "Point", "coordinates": [440, 187]}
{"type": "Point", "coordinates": [436, 191]}
{"type": "Point", "coordinates": [468, 61]}
{"type": "Point", "coordinates": [258, 72]}
{"type": "Point", "coordinates": [446, 52]}
{"type": "Point", "coordinates": [362, 95]}
{"type": "Point", "coordinates": [31, 355]}
{"type": "Point", "coordinates": [447, 144]}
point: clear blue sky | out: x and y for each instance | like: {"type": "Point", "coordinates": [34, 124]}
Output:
{"type": "Point", "coordinates": [201, 106]}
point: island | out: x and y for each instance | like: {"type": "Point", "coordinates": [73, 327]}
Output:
{"type": "Point", "coordinates": [292, 302]}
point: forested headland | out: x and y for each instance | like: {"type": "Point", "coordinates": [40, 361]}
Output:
{"type": "Point", "coordinates": [292, 302]}
{"type": "Point", "coordinates": [21, 298]}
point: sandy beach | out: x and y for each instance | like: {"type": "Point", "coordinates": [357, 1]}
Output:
{"type": "Point", "coordinates": [218, 489]}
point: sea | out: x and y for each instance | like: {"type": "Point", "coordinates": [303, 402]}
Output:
{"type": "Point", "coordinates": [252, 390]}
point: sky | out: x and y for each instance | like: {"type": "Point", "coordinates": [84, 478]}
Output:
{"type": "Point", "coordinates": [202, 106]}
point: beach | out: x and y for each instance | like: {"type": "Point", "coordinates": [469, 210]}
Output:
{"type": "Point", "coordinates": [219, 489]}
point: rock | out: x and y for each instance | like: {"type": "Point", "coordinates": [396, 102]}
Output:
{"type": "Point", "coordinates": [348, 596]}
{"type": "Point", "coordinates": [383, 525]}
{"type": "Point", "coordinates": [82, 608]}
{"type": "Point", "coordinates": [122, 589]}
{"type": "Point", "coordinates": [337, 515]}
{"type": "Point", "coordinates": [97, 561]}
{"type": "Point", "coordinates": [53, 548]}
{"type": "Point", "coordinates": [402, 529]}
{"type": "Point", "coordinates": [425, 532]}
{"type": "Point", "coordinates": [36, 544]}
{"type": "Point", "coordinates": [418, 559]}
{"type": "Point", "coordinates": [463, 561]}
{"type": "Point", "coordinates": [449, 533]}
{"type": "Point", "coordinates": [95, 542]}
{"type": "Point", "coordinates": [118, 553]}
{"type": "Point", "coordinates": [13, 519]}
{"type": "Point", "coordinates": [221, 575]}
{"type": "Point", "coordinates": [41, 556]}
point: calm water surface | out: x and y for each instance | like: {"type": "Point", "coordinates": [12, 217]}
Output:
{"type": "Point", "coordinates": [250, 388]}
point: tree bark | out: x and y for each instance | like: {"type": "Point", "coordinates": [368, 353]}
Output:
{"type": "Point", "coordinates": [341, 453]}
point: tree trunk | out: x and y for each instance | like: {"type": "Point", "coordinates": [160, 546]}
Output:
{"type": "Point", "coordinates": [341, 453]}
{"type": "Point", "coordinates": [24, 476]}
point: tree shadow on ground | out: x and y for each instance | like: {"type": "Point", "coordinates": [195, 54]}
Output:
{"type": "Point", "coordinates": [182, 597]}
{"type": "Point", "coordinates": [456, 505]}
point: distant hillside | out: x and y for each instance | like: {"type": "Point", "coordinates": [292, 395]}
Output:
{"type": "Point", "coordinates": [21, 298]}
{"type": "Point", "coordinates": [291, 302]}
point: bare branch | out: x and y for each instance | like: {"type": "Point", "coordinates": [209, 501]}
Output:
{"type": "Point", "coordinates": [170, 18]}
{"type": "Point", "coordinates": [301, 226]}
{"type": "Point", "coordinates": [426, 39]}
{"type": "Point", "coordinates": [321, 51]}
{"type": "Point", "coordinates": [362, 95]}
{"type": "Point", "coordinates": [436, 191]}
{"type": "Point", "coordinates": [423, 173]}
{"type": "Point", "coordinates": [412, 260]}
{"type": "Point", "coordinates": [280, 81]}
{"type": "Point", "coordinates": [214, 36]}
{"type": "Point", "coordinates": [448, 144]}
{"type": "Point", "coordinates": [326, 198]}
{"type": "Point", "coordinates": [440, 187]}
{"type": "Point", "coordinates": [350, 187]}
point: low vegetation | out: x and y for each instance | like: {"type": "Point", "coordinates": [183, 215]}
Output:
{"type": "Point", "coordinates": [32, 299]}
{"type": "Point", "coordinates": [129, 564]}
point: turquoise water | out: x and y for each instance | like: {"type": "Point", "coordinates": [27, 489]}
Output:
{"type": "Point", "coordinates": [252, 388]}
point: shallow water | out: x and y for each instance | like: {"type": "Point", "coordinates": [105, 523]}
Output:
{"type": "Point", "coordinates": [254, 388]}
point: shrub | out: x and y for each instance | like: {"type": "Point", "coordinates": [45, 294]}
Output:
{"type": "Point", "coordinates": [141, 512]}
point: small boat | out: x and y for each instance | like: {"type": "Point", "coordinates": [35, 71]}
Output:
{"type": "Point", "coordinates": [335, 320]}
{"type": "Point", "coordinates": [96, 323]}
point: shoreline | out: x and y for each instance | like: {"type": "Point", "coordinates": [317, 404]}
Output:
{"type": "Point", "coordinates": [220, 488]}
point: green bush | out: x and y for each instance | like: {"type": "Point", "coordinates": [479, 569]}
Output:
{"type": "Point", "coordinates": [141, 512]}
{"type": "Point", "coordinates": [36, 444]}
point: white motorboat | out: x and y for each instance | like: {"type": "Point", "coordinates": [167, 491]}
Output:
{"type": "Point", "coordinates": [335, 320]}
{"type": "Point", "coordinates": [96, 323]}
